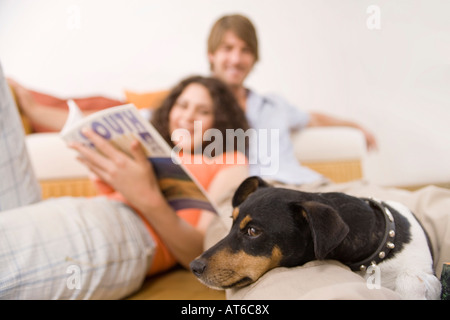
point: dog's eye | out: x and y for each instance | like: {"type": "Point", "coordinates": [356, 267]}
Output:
{"type": "Point", "coordinates": [253, 232]}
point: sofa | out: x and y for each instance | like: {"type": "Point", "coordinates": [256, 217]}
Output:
{"type": "Point", "coordinates": [336, 152]}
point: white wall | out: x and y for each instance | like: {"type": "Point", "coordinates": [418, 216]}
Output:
{"type": "Point", "coordinates": [319, 54]}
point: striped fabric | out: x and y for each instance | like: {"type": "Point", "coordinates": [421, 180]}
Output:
{"type": "Point", "coordinates": [18, 184]}
{"type": "Point", "coordinates": [72, 248]}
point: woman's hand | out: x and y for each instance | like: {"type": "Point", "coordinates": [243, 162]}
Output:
{"type": "Point", "coordinates": [132, 176]}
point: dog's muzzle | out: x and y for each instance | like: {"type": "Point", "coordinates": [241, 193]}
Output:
{"type": "Point", "coordinates": [198, 266]}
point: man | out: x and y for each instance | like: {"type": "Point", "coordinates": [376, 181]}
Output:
{"type": "Point", "coordinates": [232, 54]}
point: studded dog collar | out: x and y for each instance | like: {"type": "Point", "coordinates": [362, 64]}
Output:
{"type": "Point", "coordinates": [386, 245]}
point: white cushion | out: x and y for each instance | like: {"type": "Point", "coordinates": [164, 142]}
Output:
{"type": "Point", "coordinates": [52, 159]}
{"type": "Point", "coordinates": [319, 144]}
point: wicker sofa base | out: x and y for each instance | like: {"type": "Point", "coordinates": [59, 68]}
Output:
{"type": "Point", "coordinates": [341, 171]}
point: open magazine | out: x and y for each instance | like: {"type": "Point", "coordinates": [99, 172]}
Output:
{"type": "Point", "coordinates": [123, 124]}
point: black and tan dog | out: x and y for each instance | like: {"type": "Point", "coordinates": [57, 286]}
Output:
{"type": "Point", "coordinates": [281, 227]}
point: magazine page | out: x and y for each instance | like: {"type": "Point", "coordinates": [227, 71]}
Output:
{"type": "Point", "coordinates": [123, 124]}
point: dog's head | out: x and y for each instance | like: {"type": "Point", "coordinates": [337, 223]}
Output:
{"type": "Point", "coordinates": [271, 227]}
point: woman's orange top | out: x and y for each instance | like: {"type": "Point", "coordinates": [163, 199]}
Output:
{"type": "Point", "coordinates": [204, 170]}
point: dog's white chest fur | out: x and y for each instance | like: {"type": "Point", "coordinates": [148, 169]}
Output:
{"type": "Point", "coordinates": [410, 271]}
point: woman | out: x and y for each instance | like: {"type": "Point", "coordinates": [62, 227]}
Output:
{"type": "Point", "coordinates": [99, 247]}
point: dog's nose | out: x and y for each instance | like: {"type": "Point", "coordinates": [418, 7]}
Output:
{"type": "Point", "coordinates": [198, 266]}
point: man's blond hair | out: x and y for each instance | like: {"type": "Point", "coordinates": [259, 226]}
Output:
{"type": "Point", "coordinates": [241, 26]}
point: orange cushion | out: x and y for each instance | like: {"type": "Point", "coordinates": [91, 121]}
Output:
{"type": "Point", "coordinates": [85, 104]}
{"type": "Point", "coordinates": [146, 100]}
{"type": "Point", "coordinates": [149, 100]}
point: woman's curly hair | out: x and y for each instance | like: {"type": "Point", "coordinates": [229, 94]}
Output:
{"type": "Point", "coordinates": [227, 112]}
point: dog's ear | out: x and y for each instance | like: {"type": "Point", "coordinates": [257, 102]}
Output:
{"type": "Point", "coordinates": [247, 187]}
{"type": "Point", "coordinates": [327, 227]}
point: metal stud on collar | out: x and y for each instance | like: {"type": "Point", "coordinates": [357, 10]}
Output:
{"type": "Point", "coordinates": [388, 242]}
